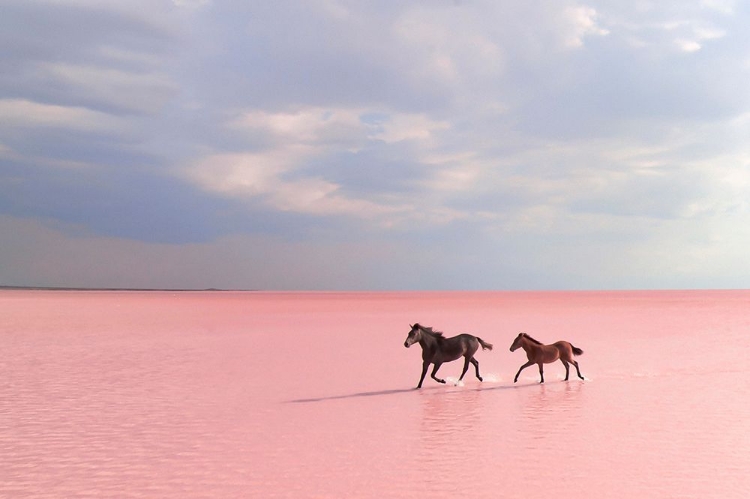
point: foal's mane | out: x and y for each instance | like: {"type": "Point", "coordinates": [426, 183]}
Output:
{"type": "Point", "coordinates": [532, 339]}
{"type": "Point", "coordinates": [437, 334]}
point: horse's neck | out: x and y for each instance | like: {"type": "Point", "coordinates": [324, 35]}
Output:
{"type": "Point", "coordinates": [428, 340]}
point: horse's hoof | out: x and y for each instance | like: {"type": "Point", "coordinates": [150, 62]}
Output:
{"type": "Point", "coordinates": [480, 379]}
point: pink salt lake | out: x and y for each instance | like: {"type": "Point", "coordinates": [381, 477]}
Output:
{"type": "Point", "coordinates": [243, 394]}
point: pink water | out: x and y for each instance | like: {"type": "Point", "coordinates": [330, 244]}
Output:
{"type": "Point", "coordinates": [224, 394]}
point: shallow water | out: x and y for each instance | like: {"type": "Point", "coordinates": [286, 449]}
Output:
{"type": "Point", "coordinates": [224, 394]}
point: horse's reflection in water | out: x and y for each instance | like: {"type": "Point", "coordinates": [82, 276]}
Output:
{"type": "Point", "coordinates": [436, 349]}
{"type": "Point", "coordinates": [450, 421]}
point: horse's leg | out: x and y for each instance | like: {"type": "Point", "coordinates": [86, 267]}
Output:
{"type": "Point", "coordinates": [476, 365]}
{"type": "Point", "coordinates": [541, 371]}
{"type": "Point", "coordinates": [466, 368]}
{"type": "Point", "coordinates": [529, 363]}
{"type": "Point", "coordinates": [435, 370]}
{"type": "Point", "coordinates": [425, 365]}
{"type": "Point", "coordinates": [567, 367]}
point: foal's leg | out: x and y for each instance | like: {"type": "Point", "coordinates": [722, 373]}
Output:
{"type": "Point", "coordinates": [575, 363]}
{"type": "Point", "coordinates": [425, 365]}
{"type": "Point", "coordinates": [435, 370]}
{"type": "Point", "coordinates": [529, 363]}
{"type": "Point", "coordinates": [541, 371]}
{"type": "Point", "coordinates": [567, 367]}
{"type": "Point", "coordinates": [476, 365]}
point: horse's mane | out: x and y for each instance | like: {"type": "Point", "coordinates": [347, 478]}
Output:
{"type": "Point", "coordinates": [437, 334]}
{"type": "Point", "coordinates": [532, 339]}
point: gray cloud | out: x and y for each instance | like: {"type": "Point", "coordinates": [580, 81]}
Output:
{"type": "Point", "coordinates": [89, 56]}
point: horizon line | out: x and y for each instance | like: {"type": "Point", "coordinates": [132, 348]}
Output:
{"type": "Point", "coordinates": [212, 289]}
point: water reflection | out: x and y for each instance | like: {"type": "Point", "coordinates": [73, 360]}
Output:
{"type": "Point", "coordinates": [552, 399]}
{"type": "Point", "coordinates": [451, 427]}
{"type": "Point", "coordinates": [549, 412]}
{"type": "Point", "coordinates": [448, 418]}
{"type": "Point", "coordinates": [99, 408]}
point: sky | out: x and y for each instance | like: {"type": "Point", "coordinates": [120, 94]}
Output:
{"type": "Point", "coordinates": [352, 145]}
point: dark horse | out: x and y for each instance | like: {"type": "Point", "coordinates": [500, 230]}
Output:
{"type": "Point", "coordinates": [437, 349]}
{"type": "Point", "coordinates": [541, 354]}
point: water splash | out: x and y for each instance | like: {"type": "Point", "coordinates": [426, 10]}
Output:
{"type": "Point", "coordinates": [453, 381]}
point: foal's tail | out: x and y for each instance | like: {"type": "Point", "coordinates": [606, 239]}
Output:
{"type": "Point", "coordinates": [485, 345]}
{"type": "Point", "coordinates": [576, 350]}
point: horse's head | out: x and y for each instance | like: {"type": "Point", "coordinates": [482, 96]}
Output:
{"type": "Point", "coordinates": [517, 342]}
{"type": "Point", "coordinates": [414, 335]}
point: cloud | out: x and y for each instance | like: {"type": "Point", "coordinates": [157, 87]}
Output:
{"type": "Point", "coordinates": [279, 174]}
{"type": "Point", "coordinates": [262, 176]}
{"type": "Point", "coordinates": [526, 143]}
{"type": "Point", "coordinates": [24, 113]}
{"type": "Point", "coordinates": [191, 4]}
{"type": "Point", "coordinates": [583, 23]}
{"type": "Point", "coordinates": [109, 89]}
{"type": "Point", "coordinates": [688, 45]}
{"type": "Point", "coordinates": [342, 127]}
{"type": "Point", "coordinates": [723, 6]}
{"type": "Point", "coordinates": [114, 64]}
{"type": "Point", "coordinates": [414, 127]}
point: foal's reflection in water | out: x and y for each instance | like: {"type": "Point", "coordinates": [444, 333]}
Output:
{"type": "Point", "coordinates": [436, 349]}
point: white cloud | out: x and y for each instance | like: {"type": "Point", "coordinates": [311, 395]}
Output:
{"type": "Point", "coordinates": [408, 127]}
{"type": "Point", "coordinates": [263, 176]}
{"type": "Point", "coordinates": [583, 22]}
{"type": "Point", "coordinates": [688, 45]}
{"type": "Point", "coordinates": [306, 125]}
{"type": "Point", "coordinates": [709, 33]}
{"type": "Point", "coordinates": [723, 6]}
{"type": "Point", "coordinates": [343, 127]}
{"type": "Point", "coordinates": [249, 174]}
{"type": "Point", "coordinates": [697, 35]}
{"type": "Point", "coordinates": [191, 4]}
{"type": "Point", "coordinates": [278, 174]}
{"type": "Point", "coordinates": [278, 178]}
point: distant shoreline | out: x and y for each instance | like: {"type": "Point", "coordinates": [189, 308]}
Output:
{"type": "Point", "coordinates": [68, 288]}
{"type": "Point", "coordinates": [195, 290]}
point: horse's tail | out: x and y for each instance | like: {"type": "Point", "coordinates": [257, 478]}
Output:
{"type": "Point", "coordinates": [576, 350]}
{"type": "Point", "coordinates": [485, 345]}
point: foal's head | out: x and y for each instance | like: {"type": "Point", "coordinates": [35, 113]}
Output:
{"type": "Point", "coordinates": [517, 342]}
{"type": "Point", "coordinates": [414, 336]}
